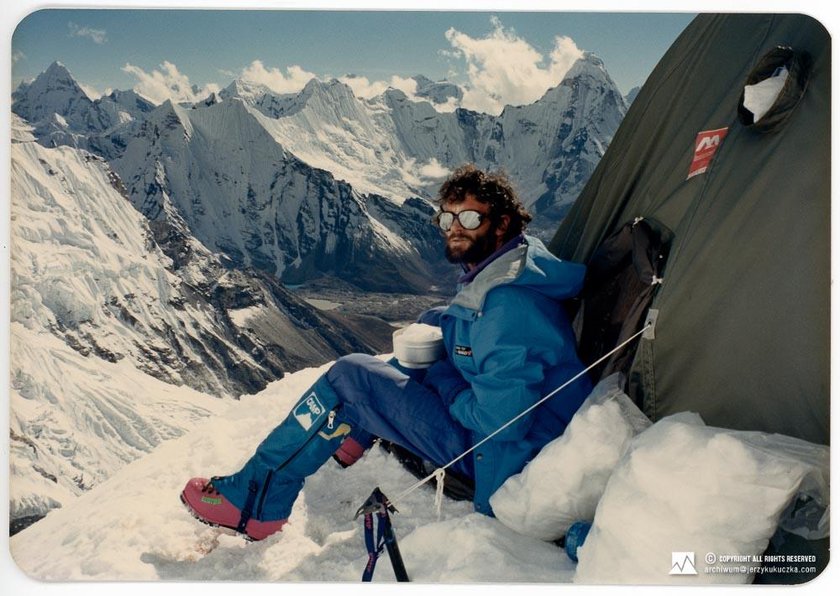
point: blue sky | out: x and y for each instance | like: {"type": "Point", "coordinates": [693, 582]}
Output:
{"type": "Point", "coordinates": [122, 49]}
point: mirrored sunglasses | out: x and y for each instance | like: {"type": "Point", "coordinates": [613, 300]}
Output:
{"type": "Point", "coordinates": [468, 218]}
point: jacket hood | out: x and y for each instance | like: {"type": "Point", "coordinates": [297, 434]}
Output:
{"type": "Point", "coordinates": [528, 265]}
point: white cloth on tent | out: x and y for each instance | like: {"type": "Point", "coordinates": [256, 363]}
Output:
{"type": "Point", "coordinates": [759, 98]}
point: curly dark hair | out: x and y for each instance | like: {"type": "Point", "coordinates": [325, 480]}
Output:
{"type": "Point", "coordinates": [492, 188]}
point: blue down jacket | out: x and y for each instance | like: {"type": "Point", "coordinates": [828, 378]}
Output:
{"type": "Point", "coordinates": [508, 335]}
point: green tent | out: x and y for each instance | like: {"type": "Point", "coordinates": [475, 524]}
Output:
{"type": "Point", "coordinates": [742, 320]}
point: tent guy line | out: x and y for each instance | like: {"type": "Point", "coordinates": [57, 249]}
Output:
{"type": "Point", "coordinates": [440, 473]}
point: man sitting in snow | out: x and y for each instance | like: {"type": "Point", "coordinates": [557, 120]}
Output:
{"type": "Point", "coordinates": [507, 342]}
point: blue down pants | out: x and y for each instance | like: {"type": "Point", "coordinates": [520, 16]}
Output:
{"type": "Point", "coordinates": [359, 396]}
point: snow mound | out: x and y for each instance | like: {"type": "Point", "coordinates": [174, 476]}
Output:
{"type": "Point", "coordinates": [473, 549]}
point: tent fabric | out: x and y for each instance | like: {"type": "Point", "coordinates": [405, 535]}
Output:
{"type": "Point", "coordinates": [742, 334]}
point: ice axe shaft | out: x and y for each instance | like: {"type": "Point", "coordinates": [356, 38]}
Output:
{"type": "Point", "coordinates": [377, 503]}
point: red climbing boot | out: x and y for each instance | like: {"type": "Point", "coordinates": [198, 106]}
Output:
{"type": "Point", "coordinates": [207, 505]}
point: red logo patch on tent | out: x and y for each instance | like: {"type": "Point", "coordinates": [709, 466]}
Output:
{"type": "Point", "coordinates": [705, 146]}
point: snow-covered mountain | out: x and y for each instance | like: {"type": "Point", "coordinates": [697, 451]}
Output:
{"type": "Point", "coordinates": [245, 196]}
{"type": "Point", "coordinates": [96, 305]}
{"type": "Point", "coordinates": [54, 92]}
{"type": "Point", "coordinates": [287, 183]}
{"type": "Point", "coordinates": [396, 147]}
{"type": "Point", "coordinates": [62, 113]}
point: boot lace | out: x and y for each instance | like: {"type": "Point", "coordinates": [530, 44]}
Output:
{"type": "Point", "coordinates": [208, 488]}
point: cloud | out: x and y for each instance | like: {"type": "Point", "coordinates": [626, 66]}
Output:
{"type": "Point", "coordinates": [433, 169]}
{"type": "Point", "coordinates": [295, 78]}
{"type": "Point", "coordinates": [503, 68]}
{"type": "Point", "coordinates": [423, 174]}
{"type": "Point", "coordinates": [498, 69]}
{"type": "Point", "coordinates": [17, 56]}
{"type": "Point", "coordinates": [450, 105]}
{"type": "Point", "coordinates": [366, 89]}
{"type": "Point", "coordinates": [293, 81]}
{"type": "Point", "coordinates": [167, 83]}
{"type": "Point", "coordinates": [92, 92]}
{"type": "Point", "coordinates": [98, 36]}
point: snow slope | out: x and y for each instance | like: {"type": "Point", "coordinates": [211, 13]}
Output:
{"type": "Point", "coordinates": [74, 420]}
{"type": "Point", "coordinates": [83, 283]}
{"type": "Point", "coordinates": [133, 526]}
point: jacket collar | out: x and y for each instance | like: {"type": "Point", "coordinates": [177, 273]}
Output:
{"type": "Point", "coordinates": [506, 266]}
{"type": "Point", "coordinates": [468, 276]}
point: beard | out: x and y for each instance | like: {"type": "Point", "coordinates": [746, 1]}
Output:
{"type": "Point", "coordinates": [470, 250]}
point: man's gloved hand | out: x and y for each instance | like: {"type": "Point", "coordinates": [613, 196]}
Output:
{"type": "Point", "coordinates": [445, 380]}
